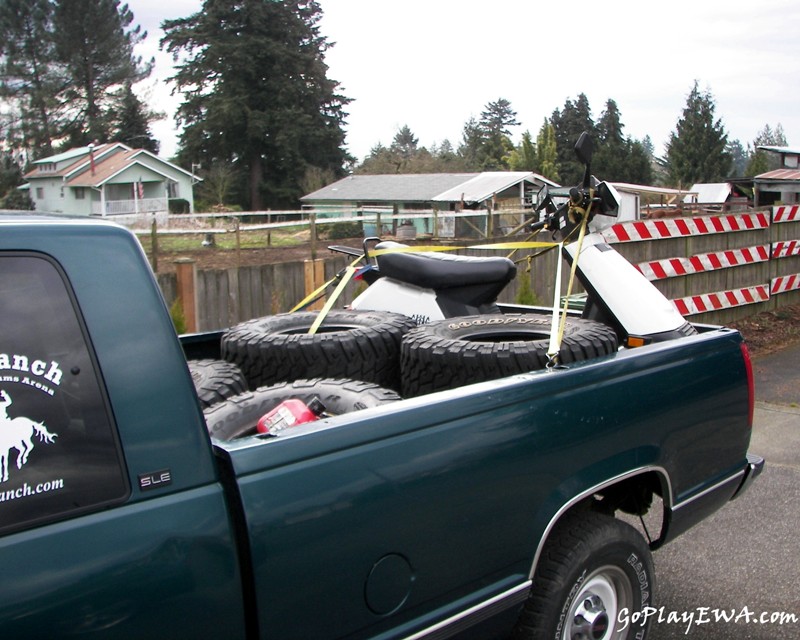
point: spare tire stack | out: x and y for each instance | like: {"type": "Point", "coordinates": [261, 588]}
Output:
{"type": "Point", "coordinates": [357, 359]}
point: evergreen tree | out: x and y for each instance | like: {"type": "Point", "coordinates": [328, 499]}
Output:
{"type": "Point", "coordinates": [402, 156]}
{"type": "Point", "coordinates": [761, 161]}
{"type": "Point", "coordinates": [446, 156]}
{"type": "Point", "coordinates": [649, 147]}
{"type": "Point", "coordinates": [609, 127]}
{"type": "Point", "coordinates": [696, 150]}
{"type": "Point", "coordinates": [256, 94]}
{"type": "Point", "coordinates": [757, 164]}
{"type": "Point", "coordinates": [132, 122]}
{"type": "Point", "coordinates": [611, 157]}
{"type": "Point", "coordinates": [94, 40]}
{"type": "Point", "coordinates": [638, 164]}
{"type": "Point", "coordinates": [523, 157]}
{"type": "Point", "coordinates": [486, 145]}
{"type": "Point", "coordinates": [405, 145]}
{"type": "Point", "coordinates": [31, 81]}
{"type": "Point", "coordinates": [547, 152]}
{"type": "Point", "coordinates": [405, 155]}
{"type": "Point", "coordinates": [771, 137]}
{"type": "Point", "coordinates": [496, 119]}
{"type": "Point", "coordinates": [619, 158]}
{"type": "Point", "coordinates": [470, 148]}
{"type": "Point", "coordinates": [569, 123]}
{"type": "Point", "coordinates": [739, 159]}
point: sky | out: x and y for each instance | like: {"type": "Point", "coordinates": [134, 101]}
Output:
{"type": "Point", "coordinates": [434, 64]}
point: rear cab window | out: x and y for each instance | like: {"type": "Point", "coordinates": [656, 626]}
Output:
{"type": "Point", "coordinates": [59, 451]}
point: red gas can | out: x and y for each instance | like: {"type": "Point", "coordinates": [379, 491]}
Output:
{"type": "Point", "coordinates": [289, 413]}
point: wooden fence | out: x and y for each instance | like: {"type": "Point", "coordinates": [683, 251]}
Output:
{"type": "Point", "coordinates": [715, 269]}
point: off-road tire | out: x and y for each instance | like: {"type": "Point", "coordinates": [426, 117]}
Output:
{"type": "Point", "coordinates": [238, 416]}
{"type": "Point", "coordinates": [594, 573]}
{"type": "Point", "coordinates": [451, 353]}
{"type": "Point", "coordinates": [358, 345]}
{"type": "Point", "coordinates": [216, 380]}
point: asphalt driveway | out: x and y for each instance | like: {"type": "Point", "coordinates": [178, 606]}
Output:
{"type": "Point", "coordinates": [744, 562]}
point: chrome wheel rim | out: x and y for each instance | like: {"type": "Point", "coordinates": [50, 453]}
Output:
{"type": "Point", "coordinates": [592, 614]}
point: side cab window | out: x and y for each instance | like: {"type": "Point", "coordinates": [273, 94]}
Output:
{"type": "Point", "coordinates": [59, 452]}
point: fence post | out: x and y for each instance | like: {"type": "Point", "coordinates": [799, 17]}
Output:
{"type": "Point", "coordinates": [314, 277]}
{"type": "Point", "coordinates": [312, 227]}
{"type": "Point", "coordinates": [154, 246]}
{"type": "Point", "coordinates": [238, 242]}
{"type": "Point", "coordinates": [186, 276]}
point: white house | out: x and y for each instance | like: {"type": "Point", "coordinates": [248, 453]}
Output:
{"type": "Point", "coordinates": [108, 179]}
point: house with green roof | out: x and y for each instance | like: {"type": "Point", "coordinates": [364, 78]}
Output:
{"type": "Point", "coordinates": [109, 180]}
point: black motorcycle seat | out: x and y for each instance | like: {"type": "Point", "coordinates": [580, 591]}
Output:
{"type": "Point", "coordinates": [437, 271]}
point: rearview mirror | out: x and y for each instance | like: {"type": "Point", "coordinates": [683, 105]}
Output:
{"type": "Point", "coordinates": [608, 199]}
{"type": "Point", "coordinates": [584, 148]}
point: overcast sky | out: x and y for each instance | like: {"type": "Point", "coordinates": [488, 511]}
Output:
{"type": "Point", "coordinates": [433, 64]}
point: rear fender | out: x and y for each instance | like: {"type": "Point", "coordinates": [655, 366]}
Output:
{"type": "Point", "coordinates": [648, 474]}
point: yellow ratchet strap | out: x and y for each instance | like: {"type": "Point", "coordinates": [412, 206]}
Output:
{"type": "Point", "coordinates": [349, 272]}
{"type": "Point", "coordinates": [311, 297]}
{"type": "Point", "coordinates": [556, 337]}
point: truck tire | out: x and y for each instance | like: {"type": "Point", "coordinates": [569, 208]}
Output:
{"type": "Point", "coordinates": [594, 577]}
{"type": "Point", "coordinates": [457, 351]}
{"type": "Point", "coordinates": [238, 416]}
{"type": "Point", "coordinates": [216, 380]}
{"type": "Point", "coordinates": [358, 345]}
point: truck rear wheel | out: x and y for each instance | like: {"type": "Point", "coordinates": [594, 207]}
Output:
{"type": "Point", "coordinates": [216, 380]}
{"type": "Point", "coordinates": [594, 579]}
{"type": "Point", "coordinates": [238, 416]}
{"type": "Point", "coordinates": [458, 351]}
{"type": "Point", "coordinates": [358, 345]}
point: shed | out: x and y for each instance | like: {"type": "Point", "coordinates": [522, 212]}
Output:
{"type": "Point", "coordinates": [442, 191]}
{"type": "Point", "coordinates": [781, 185]}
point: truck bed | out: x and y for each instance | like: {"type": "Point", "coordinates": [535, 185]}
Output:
{"type": "Point", "coordinates": [480, 474]}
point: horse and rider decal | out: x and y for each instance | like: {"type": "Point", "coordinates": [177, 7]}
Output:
{"type": "Point", "coordinates": [18, 433]}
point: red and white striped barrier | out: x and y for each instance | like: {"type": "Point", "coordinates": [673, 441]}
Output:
{"type": "Point", "coordinates": [786, 249]}
{"type": "Point", "coordinates": [782, 284]}
{"type": "Point", "coordinates": [786, 213]}
{"type": "Point", "coordinates": [706, 302]}
{"type": "Point", "coordinates": [673, 267]}
{"type": "Point", "coordinates": [664, 228]}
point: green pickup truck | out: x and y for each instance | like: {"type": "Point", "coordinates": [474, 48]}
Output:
{"type": "Point", "coordinates": [527, 504]}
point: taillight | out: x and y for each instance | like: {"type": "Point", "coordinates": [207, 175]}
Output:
{"type": "Point", "coordinates": [751, 387]}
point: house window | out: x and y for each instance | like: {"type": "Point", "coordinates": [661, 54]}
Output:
{"type": "Point", "coordinates": [80, 193]}
{"type": "Point", "coordinates": [39, 193]}
{"type": "Point", "coordinates": [173, 190]}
